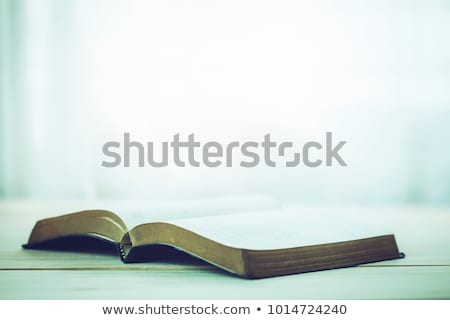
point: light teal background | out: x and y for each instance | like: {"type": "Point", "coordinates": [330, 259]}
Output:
{"type": "Point", "coordinates": [75, 74]}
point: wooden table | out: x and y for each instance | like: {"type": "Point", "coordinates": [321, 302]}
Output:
{"type": "Point", "coordinates": [423, 233]}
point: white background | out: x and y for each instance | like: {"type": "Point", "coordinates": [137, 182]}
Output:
{"type": "Point", "coordinates": [76, 74]}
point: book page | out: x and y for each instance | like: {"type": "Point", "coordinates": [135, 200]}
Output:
{"type": "Point", "coordinates": [282, 228]}
{"type": "Point", "coordinates": [145, 212]}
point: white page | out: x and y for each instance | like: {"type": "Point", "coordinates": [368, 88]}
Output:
{"type": "Point", "coordinates": [282, 228]}
{"type": "Point", "coordinates": [137, 213]}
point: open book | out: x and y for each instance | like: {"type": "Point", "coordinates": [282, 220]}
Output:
{"type": "Point", "coordinates": [257, 244]}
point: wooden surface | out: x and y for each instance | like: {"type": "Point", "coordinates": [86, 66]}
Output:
{"type": "Point", "coordinates": [422, 233]}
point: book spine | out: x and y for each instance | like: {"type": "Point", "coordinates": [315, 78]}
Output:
{"type": "Point", "coordinates": [123, 256]}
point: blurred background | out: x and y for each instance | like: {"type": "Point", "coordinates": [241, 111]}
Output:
{"type": "Point", "coordinates": [76, 74]}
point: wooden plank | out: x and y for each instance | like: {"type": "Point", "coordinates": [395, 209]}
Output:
{"type": "Point", "coordinates": [350, 283]}
{"type": "Point", "coordinates": [422, 233]}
